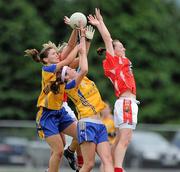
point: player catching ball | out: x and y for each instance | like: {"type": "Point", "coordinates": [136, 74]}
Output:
{"type": "Point", "coordinates": [117, 67]}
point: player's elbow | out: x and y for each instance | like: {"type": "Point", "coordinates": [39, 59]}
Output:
{"type": "Point", "coordinates": [107, 38]}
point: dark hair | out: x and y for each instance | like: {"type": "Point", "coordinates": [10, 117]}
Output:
{"type": "Point", "coordinates": [44, 52]}
{"type": "Point", "coordinates": [36, 55]}
{"type": "Point", "coordinates": [101, 50]}
{"type": "Point", "coordinates": [54, 86]}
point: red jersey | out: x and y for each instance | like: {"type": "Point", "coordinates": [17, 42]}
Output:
{"type": "Point", "coordinates": [119, 71]}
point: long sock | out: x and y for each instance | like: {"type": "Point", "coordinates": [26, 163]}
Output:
{"type": "Point", "coordinates": [79, 161]}
{"type": "Point", "coordinates": [118, 169]}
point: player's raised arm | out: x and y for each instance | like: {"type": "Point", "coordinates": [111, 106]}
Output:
{"type": "Point", "coordinates": [71, 42]}
{"type": "Point", "coordinates": [97, 20]}
{"type": "Point", "coordinates": [69, 59]}
{"type": "Point", "coordinates": [89, 36]}
{"type": "Point", "coordinates": [83, 63]}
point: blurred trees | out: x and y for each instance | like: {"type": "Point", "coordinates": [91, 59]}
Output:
{"type": "Point", "coordinates": [148, 29]}
{"type": "Point", "coordinates": [20, 28]}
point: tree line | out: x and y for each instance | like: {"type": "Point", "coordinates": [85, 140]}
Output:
{"type": "Point", "coordinates": [148, 29]}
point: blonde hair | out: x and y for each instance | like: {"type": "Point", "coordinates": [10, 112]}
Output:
{"type": "Point", "coordinates": [39, 56]}
{"type": "Point", "coordinates": [50, 44]}
{"type": "Point", "coordinates": [58, 48]}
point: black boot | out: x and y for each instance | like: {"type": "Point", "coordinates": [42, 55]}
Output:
{"type": "Point", "coordinates": [70, 156]}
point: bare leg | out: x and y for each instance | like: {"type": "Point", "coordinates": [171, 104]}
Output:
{"type": "Point", "coordinates": [88, 152]}
{"type": "Point", "coordinates": [101, 167]}
{"type": "Point", "coordinates": [57, 147]}
{"type": "Point", "coordinates": [63, 139]}
{"type": "Point", "coordinates": [124, 137]}
{"type": "Point", "coordinates": [71, 130]}
{"type": "Point", "coordinates": [104, 151]}
{"type": "Point", "coordinates": [74, 144]}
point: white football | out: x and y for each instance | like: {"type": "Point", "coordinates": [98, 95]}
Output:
{"type": "Point", "coordinates": [76, 17]}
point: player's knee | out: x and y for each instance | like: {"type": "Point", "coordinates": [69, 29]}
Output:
{"type": "Point", "coordinates": [58, 154]}
{"type": "Point", "coordinates": [125, 140]}
{"type": "Point", "coordinates": [126, 143]}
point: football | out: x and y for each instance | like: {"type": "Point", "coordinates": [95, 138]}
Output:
{"type": "Point", "coordinates": [76, 17]}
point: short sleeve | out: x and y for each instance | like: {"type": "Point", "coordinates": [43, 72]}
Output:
{"type": "Point", "coordinates": [50, 68]}
{"type": "Point", "coordinates": [109, 62]}
{"type": "Point", "coordinates": [70, 85]}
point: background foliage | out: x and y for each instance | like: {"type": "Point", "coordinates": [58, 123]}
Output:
{"type": "Point", "coordinates": [148, 29]}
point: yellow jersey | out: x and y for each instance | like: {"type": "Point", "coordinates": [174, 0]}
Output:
{"type": "Point", "coordinates": [47, 98]}
{"type": "Point", "coordinates": [109, 123]}
{"type": "Point", "coordinates": [86, 98]}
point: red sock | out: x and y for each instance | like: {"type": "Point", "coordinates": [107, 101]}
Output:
{"type": "Point", "coordinates": [80, 161]}
{"type": "Point", "coordinates": [118, 169]}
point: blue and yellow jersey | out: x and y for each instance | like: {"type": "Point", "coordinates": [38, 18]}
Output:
{"type": "Point", "coordinates": [47, 98]}
{"type": "Point", "coordinates": [86, 98]}
{"type": "Point", "coordinates": [109, 123]}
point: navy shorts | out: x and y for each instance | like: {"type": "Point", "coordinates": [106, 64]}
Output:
{"type": "Point", "coordinates": [91, 132]}
{"type": "Point", "coordinates": [52, 122]}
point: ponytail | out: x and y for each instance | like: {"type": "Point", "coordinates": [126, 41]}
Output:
{"type": "Point", "coordinates": [100, 51]}
{"type": "Point", "coordinates": [38, 56]}
{"type": "Point", "coordinates": [34, 54]}
{"type": "Point", "coordinates": [54, 86]}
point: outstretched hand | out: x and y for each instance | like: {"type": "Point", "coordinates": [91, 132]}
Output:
{"type": "Point", "coordinates": [96, 19]}
{"type": "Point", "coordinates": [90, 32]}
{"type": "Point", "coordinates": [98, 14]}
{"type": "Point", "coordinates": [93, 20]}
{"type": "Point", "coordinates": [67, 20]}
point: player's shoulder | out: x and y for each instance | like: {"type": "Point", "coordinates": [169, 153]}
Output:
{"type": "Point", "coordinates": [49, 68]}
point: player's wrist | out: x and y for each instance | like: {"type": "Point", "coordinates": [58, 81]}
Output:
{"type": "Point", "coordinates": [88, 40]}
{"type": "Point", "coordinates": [83, 34]}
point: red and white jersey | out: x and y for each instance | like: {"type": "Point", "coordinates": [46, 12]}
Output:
{"type": "Point", "coordinates": [119, 71]}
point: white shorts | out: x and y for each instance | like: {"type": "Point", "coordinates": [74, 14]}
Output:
{"type": "Point", "coordinates": [69, 110]}
{"type": "Point", "coordinates": [125, 113]}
